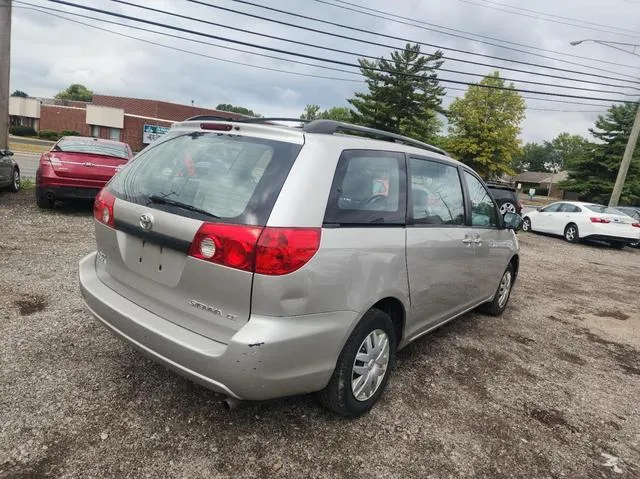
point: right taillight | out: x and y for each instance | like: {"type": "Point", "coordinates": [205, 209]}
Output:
{"type": "Point", "coordinates": [103, 208]}
{"type": "Point", "coordinates": [269, 251]}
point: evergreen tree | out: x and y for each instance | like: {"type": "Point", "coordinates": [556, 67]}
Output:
{"type": "Point", "coordinates": [403, 94]}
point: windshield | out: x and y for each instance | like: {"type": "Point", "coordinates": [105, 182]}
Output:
{"type": "Point", "coordinates": [502, 194]}
{"type": "Point", "coordinates": [92, 147]}
{"type": "Point", "coordinates": [604, 210]}
{"type": "Point", "coordinates": [209, 175]}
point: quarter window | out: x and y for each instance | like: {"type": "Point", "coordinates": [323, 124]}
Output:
{"type": "Point", "coordinates": [369, 187]}
{"type": "Point", "coordinates": [554, 208]}
{"type": "Point", "coordinates": [436, 193]}
{"type": "Point", "coordinates": [483, 209]}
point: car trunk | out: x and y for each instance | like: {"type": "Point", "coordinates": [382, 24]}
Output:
{"type": "Point", "coordinates": [85, 165]}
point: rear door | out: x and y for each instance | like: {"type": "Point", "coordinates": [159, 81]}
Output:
{"type": "Point", "coordinates": [228, 183]}
{"type": "Point", "coordinates": [492, 242]}
{"type": "Point", "coordinates": [440, 253]}
{"type": "Point", "coordinates": [5, 169]}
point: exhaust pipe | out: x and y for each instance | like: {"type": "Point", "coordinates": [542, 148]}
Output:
{"type": "Point", "coordinates": [231, 403]}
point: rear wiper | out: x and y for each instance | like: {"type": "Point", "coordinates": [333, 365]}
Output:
{"type": "Point", "coordinates": [160, 200]}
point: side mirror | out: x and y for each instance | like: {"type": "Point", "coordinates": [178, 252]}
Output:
{"type": "Point", "coordinates": [513, 221]}
{"type": "Point", "coordinates": [539, 208]}
{"type": "Point", "coordinates": [6, 153]}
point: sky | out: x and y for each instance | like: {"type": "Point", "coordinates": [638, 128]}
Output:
{"type": "Point", "coordinates": [49, 53]}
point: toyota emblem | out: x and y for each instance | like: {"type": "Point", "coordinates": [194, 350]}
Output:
{"type": "Point", "coordinates": [146, 222]}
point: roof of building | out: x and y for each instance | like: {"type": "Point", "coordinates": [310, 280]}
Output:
{"type": "Point", "coordinates": [540, 177]}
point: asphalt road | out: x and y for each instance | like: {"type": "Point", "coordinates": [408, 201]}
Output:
{"type": "Point", "coordinates": [28, 164]}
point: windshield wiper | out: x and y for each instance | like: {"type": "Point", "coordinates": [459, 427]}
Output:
{"type": "Point", "coordinates": [160, 200]}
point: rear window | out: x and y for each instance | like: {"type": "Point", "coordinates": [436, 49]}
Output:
{"type": "Point", "coordinates": [209, 176]}
{"type": "Point", "coordinates": [501, 194]}
{"type": "Point", "coordinates": [91, 146]}
{"type": "Point", "coordinates": [603, 209]}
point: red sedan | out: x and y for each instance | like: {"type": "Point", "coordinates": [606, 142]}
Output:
{"type": "Point", "coordinates": [78, 168]}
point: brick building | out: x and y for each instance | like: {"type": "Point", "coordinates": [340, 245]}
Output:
{"type": "Point", "coordinates": [114, 117]}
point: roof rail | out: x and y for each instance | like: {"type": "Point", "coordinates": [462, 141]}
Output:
{"type": "Point", "coordinates": [330, 127]}
{"type": "Point", "coordinates": [247, 119]}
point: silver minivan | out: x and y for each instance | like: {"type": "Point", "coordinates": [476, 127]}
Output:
{"type": "Point", "coordinates": [262, 260]}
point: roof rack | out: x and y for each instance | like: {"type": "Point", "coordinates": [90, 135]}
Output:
{"type": "Point", "coordinates": [330, 127]}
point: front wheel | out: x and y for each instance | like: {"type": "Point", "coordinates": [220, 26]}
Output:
{"type": "Point", "coordinates": [364, 366]}
{"type": "Point", "coordinates": [15, 183]}
{"type": "Point", "coordinates": [571, 233]}
{"type": "Point", "coordinates": [526, 224]}
{"type": "Point", "coordinates": [501, 298]}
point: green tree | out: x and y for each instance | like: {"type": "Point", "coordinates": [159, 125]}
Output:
{"type": "Point", "coordinates": [337, 113]}
{"type": "Point", "coordinates": [484, 126]}
{"type": "Point", "coordinates": [593, 172]}
{"type": "Point", "coordinates": [564, 149]}
{"type": "Point", "coordinates": [403, 94]}
{"type": "Point", "coordinates": [532, 157]}
{"type": "Point", "coordinates": [76, 92]}
{"type": "Point", "coordinates": [20, 93]}
{"type": "Point", "coordinates": [240, 110]}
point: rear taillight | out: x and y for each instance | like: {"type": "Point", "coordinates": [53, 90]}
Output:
{"type": "Point", "coordinates": [103, 208]}
{"type": "Point", "coordinates": [216, 126]}
{"type": "Point", "coordinates": [636, 225]}
{"type": "Point", "coordinates": [284, 250]}
{"type": "Point", "coordinates": [229, 245]}
{"type": "Point", "coordinates": [269, 251]}
{"type": "Point", "coordinates": [600, 220]}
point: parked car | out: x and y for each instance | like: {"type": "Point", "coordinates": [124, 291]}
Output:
{"type": "Point", "coordinates": [77, 168]}
{"type": "Point", "coordinates": [576, 221]}
{"type": "Point", "coordinates": [9, 171]}
{"type": "Point", "coordinates": [265, 261]}
{"type": "Point", "coordinates": [506, 197]}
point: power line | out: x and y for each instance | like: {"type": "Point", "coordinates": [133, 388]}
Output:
{"type": "Point", "coordinates": [538, 17]}
{"type": "Point", "coordinates": [372, 42]}
{"type": "Point", "coordinates": [48, 10]}
{"type": "Point", "coordinates": [461, 34]}
{"type": "Point", "coordinates": [312, 57]}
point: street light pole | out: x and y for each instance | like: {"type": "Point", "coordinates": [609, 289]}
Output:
{"type": "Point", "coordinates": [635, 129]}
{"type": "Point", "coordinates": [626, 160]}
{"type": "Point", "coordinates": [5, 59]}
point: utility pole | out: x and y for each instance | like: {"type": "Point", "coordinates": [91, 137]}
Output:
{"type": "Point", "coordinates": [626, 160]}
{"type": "Point", "coordinates": [5, 61]}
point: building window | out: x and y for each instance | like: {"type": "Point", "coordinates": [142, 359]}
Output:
{"type": "Point", "coordinates": [114, 134]}
{"type": "Point", "coordinates": [95, 131]}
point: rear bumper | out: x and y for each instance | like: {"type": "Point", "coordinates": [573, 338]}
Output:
{"type": "Point", "coordinates": [268, 357]}
{"type": "Point", "coordinates": [68, 193]}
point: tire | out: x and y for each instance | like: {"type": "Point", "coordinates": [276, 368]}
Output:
{"type": "Point", "coordinates": [507, 207]}
{"type": "Point", "coordinates": [15, 181]}
{"type": "Point", "coordinates": [500, 300]}
{"type": "Point", "coordinates": [43, 202]}
{"type": "Point", "coordinates": [339, 395]}
{"type": "Point", "coordinates": [571, 233]}
{"type": "Point", "coordinates": [618, 244]}
{"type": "Point", "coordinates": [526, 224]}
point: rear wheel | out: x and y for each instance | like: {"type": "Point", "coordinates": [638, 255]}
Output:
{"type": "Point", "coordinates": [43, 201]}
{"type": "Point", "coordinates": [526, 224]}
{"type": "Point", "coordinates": [364, 366]}
{"type": "Point", "coordinates": [571, 233]}
{"type": "Point", "coordinates": [500, 300]}
{"type": "Point", "coordinates": [15, 183]}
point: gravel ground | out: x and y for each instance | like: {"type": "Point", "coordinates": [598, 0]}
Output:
{"type": "Point", "coordinates": [551, 389]}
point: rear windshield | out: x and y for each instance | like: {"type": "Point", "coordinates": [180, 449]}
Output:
{"type": "Point", "coordinates": [92, 147]}
{"type": "Point", "coordinates": [209, 176]}
{"type": "Point", "coordinates": [501, 193]}
{"type": "Point", "coordinates": [603, 209]}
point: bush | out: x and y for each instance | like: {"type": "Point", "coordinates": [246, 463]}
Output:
{"type": "Point", "coordinates": [69, 133]}
{"type": "Point", "coordinates": [48, 135]}
{"type": "Point", "coordinates": [20, 130]}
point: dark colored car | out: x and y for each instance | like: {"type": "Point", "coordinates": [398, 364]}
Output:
{"type": "Point", "coordinates": [9, 171]}
{"type": "Point", "coordinates": [78, 168]}
{"type": "Point", "coordinates": [506, 197]}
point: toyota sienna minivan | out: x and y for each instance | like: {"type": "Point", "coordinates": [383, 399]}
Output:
{"type": "Point", "coordinates": [262, 260]}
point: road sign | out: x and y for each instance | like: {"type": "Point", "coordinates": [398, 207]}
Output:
{"type": "Point", "coordinates": [151, 133]}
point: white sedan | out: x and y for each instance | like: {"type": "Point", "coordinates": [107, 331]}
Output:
{"type": "Point", "coordinates": [575, 221]}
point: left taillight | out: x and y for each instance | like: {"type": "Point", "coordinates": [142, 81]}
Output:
{"type": "Point", "coordinates": [600, 220]}
{"type": "Point", "coordinates": [103, 208]}
{"type": "Point", "coordinates": [636, 225]}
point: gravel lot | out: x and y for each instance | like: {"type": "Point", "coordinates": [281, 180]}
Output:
{"type": "Point", "coordinates": [551, 389]}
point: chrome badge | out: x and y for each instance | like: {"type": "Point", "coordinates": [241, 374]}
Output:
{"type": "Point", "coordinates": [146, 222]}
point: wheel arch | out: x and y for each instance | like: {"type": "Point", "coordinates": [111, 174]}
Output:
{"type": "Point", "coordinates": [396, 311]}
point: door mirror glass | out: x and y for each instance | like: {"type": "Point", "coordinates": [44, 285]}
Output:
{"type": "Point", "coordinates": [513, 221]}
{"type": "Point", "coordinates": [6, 153]}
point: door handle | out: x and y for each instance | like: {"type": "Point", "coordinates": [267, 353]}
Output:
{"type": "Point", "coordinates": [467, 240]}
{"type": "Point", "coordinates": [477, 240]}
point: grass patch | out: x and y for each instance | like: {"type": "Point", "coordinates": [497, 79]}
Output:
{"type": "Point", "coordinates": [27, 184]}
{"type": "Point", "coordinates": [28, 148]}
